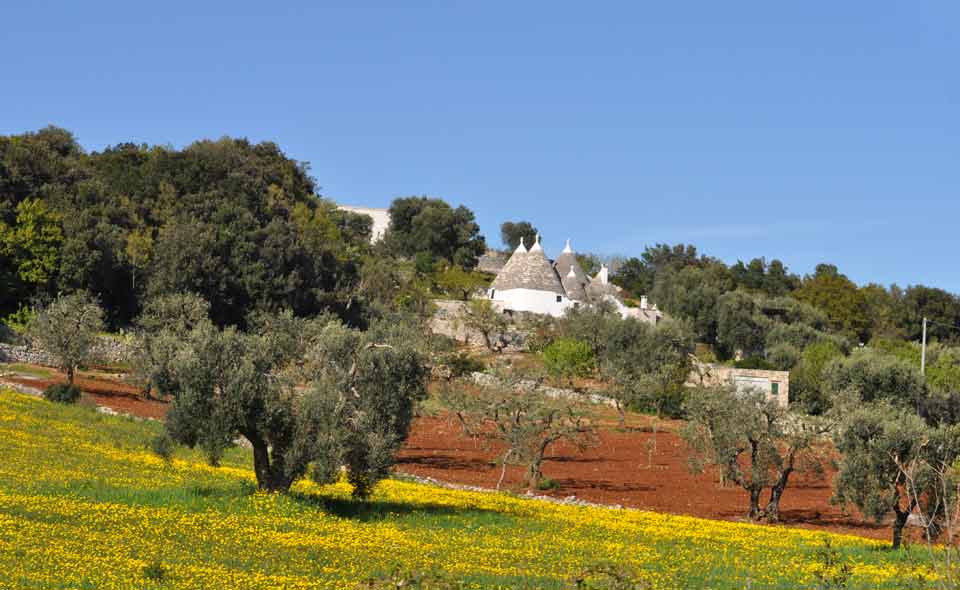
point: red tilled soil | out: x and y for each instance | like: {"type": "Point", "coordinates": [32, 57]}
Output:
{"type": "Point", "coordinates": [616, 471]}
{"type": "Point", "coordinates": [116, 395]}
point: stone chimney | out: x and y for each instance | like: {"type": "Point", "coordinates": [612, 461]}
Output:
{"type": "Point", "coordinates": [643, 302]}
{"type": "Point", "coordinates": [603, 275]}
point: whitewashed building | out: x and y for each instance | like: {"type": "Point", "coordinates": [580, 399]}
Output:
{"type": "Point", "coordinates": [530, 282]}
{"type": "Point", "coordinates": [380, 217]}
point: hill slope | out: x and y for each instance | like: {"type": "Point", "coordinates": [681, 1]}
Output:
{"type": "Point", "coordinates": [84, 504]}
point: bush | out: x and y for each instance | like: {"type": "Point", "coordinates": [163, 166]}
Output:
{"type": "Point", "coordinates": [462, 364]}
{"type": "Point", "coordinates": [568, 358]}
{"type": "Point", "coordinates": [783, 356]}
{"type": "Point", "coordinates": [62, 393]}
{"type": "Point", "coordinates": [754, 362]}
{"type": "Point", "coordinates": [548, 484]}
{"type": "Point", "coordinates": [155, 571]}
{"type": "Point", "coordinates": [671, 403]}
{"type": "Point", "coordinates": [19, 320]}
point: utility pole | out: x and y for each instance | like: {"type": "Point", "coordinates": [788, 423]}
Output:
{"type": "Point", "coordinates": [923, 350]}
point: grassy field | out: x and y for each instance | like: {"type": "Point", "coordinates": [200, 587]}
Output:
{"type": "Point", "coordinates": [84, 504]}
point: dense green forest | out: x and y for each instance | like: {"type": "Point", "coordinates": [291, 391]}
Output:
{"type": "Point", "coordinates": [238, 223]}
{"type": "Point", "coordinates": [242, 225]}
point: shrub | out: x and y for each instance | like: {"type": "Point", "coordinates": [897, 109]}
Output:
{"type": "Point", "coordinates": [19, 320]}
{"type": "Point", "coordinates": [155, 571]}
{"type": "Point", "coordinates": [783, 356]}
{"type": "Point", "coordinates": [568, 358]}
{"type": "Point", "coordinates": [754, 362]}
{"type": "Point", "coordinates": [548, 484]}
{"type": "Point", "coordinates": [462, 364]}
{"type": "Point", "coordinates": [62, 393]}
{"type": "Point", "coordinates": [609, 576]}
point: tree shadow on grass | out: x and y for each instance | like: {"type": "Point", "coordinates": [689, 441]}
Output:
{"type": "Point", "coordinates": [374, 510]}
{"type": "Point", "coordinates": [447, 462]}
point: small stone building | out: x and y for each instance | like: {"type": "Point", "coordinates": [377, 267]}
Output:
{"type": "Point", "coordinates": [775, 384]}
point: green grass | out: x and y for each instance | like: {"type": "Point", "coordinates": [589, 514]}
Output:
{"type": "Point", "coordinates": [30, 370]}
{"type": "Point", "coordinates": [84, 504]}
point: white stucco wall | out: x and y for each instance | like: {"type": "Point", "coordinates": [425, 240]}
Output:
{"type": "Point", "coordinates": [381, 219]}
{"type": "Point", "coordinates": [544, 302]}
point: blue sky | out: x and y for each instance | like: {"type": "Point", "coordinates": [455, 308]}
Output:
{"type": "Point", "coordinates": [809, 132]}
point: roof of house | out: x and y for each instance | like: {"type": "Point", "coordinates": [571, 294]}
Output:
{"type": "Point", "coordinates": [600, 286]}
{"type": "Point", "coordinates": [574, 287]}
{"type": "Point", "coordinates": [571, 274]}
{"type": "Point", "coordinates": [528, 270]}
{"type": "Point", "coordinates": [492, 261]}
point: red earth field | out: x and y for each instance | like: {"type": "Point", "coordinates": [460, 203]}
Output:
{"type": "Point", "coordinates": [619, 470]}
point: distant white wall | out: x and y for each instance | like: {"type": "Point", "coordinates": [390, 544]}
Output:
{"type": "Point", "coordinates": [544, 302]}
{"type": "Point", "coordinates": [381, 219]}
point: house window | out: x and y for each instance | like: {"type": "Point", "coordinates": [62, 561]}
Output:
{"type": "Point", "coordinates": [559, 297]}
{"type": "Point", "coordinates": [775, 389]}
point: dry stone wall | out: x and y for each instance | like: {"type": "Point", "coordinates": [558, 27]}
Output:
{"type": "Point", "coordinates": [445, 322]}
{"type": "Point", "coordinates": [107, 350]}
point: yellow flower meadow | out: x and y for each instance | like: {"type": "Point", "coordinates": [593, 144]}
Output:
{"type": "Point", "coordinates": [84, 504]}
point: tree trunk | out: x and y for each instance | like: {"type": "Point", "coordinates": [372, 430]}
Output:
{"type": "Point", "coordinates": [754, 513]}
{"type": "Point", "coordinates": [70, 371]}
{"type": "Point", "coordinates": [772, 511]}
{"type": "Point", "coordinates": [270, 477]}
{"type": "Point", "coordinates": [899, 521]}
{"type": "Point", "coordinates": [534, 475]}
{"type": "Point", "coordinates": [503, 470]}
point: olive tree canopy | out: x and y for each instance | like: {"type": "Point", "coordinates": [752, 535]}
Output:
{"type": "Point", "coordinates": [67, 328]}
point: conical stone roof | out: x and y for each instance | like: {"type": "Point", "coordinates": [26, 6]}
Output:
{"type": "Point", "coordinates": [575, 284]}
{"type": "Point", "coordinates": [528, 270]}
{"type": "Point", "coordinates": [572, 285]}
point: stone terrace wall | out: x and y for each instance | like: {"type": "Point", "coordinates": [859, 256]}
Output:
{"type": "Point", "coordinates": [106, 350]}
{"type": "Point", "coordinates": [444, 322]}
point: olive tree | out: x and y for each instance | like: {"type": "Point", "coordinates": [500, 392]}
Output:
{"type": "Point", "coordinates": [356, 409]}
{"type": "Point", "coordinates": [875, 376]}
{"type": "Point", "coordinates": [756, 443]}
{"type": "Point", "coordinates": [361, 405]}
{"type": "Point", "coordinates": [892, 462]}
{"type": "Point", "coordinates": [160, 330]}
{"type": "Point", "coordinates": [524, 422]}
{"type": "Point", "coordinates": [67, 329]}
{"type": "Point", "coordinates": [481, 316]}
{"type": "Point", "coordinates": [647, 366]}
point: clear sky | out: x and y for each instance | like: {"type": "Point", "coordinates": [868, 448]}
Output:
{"type": "Point", "coordinates": [806, 131]}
